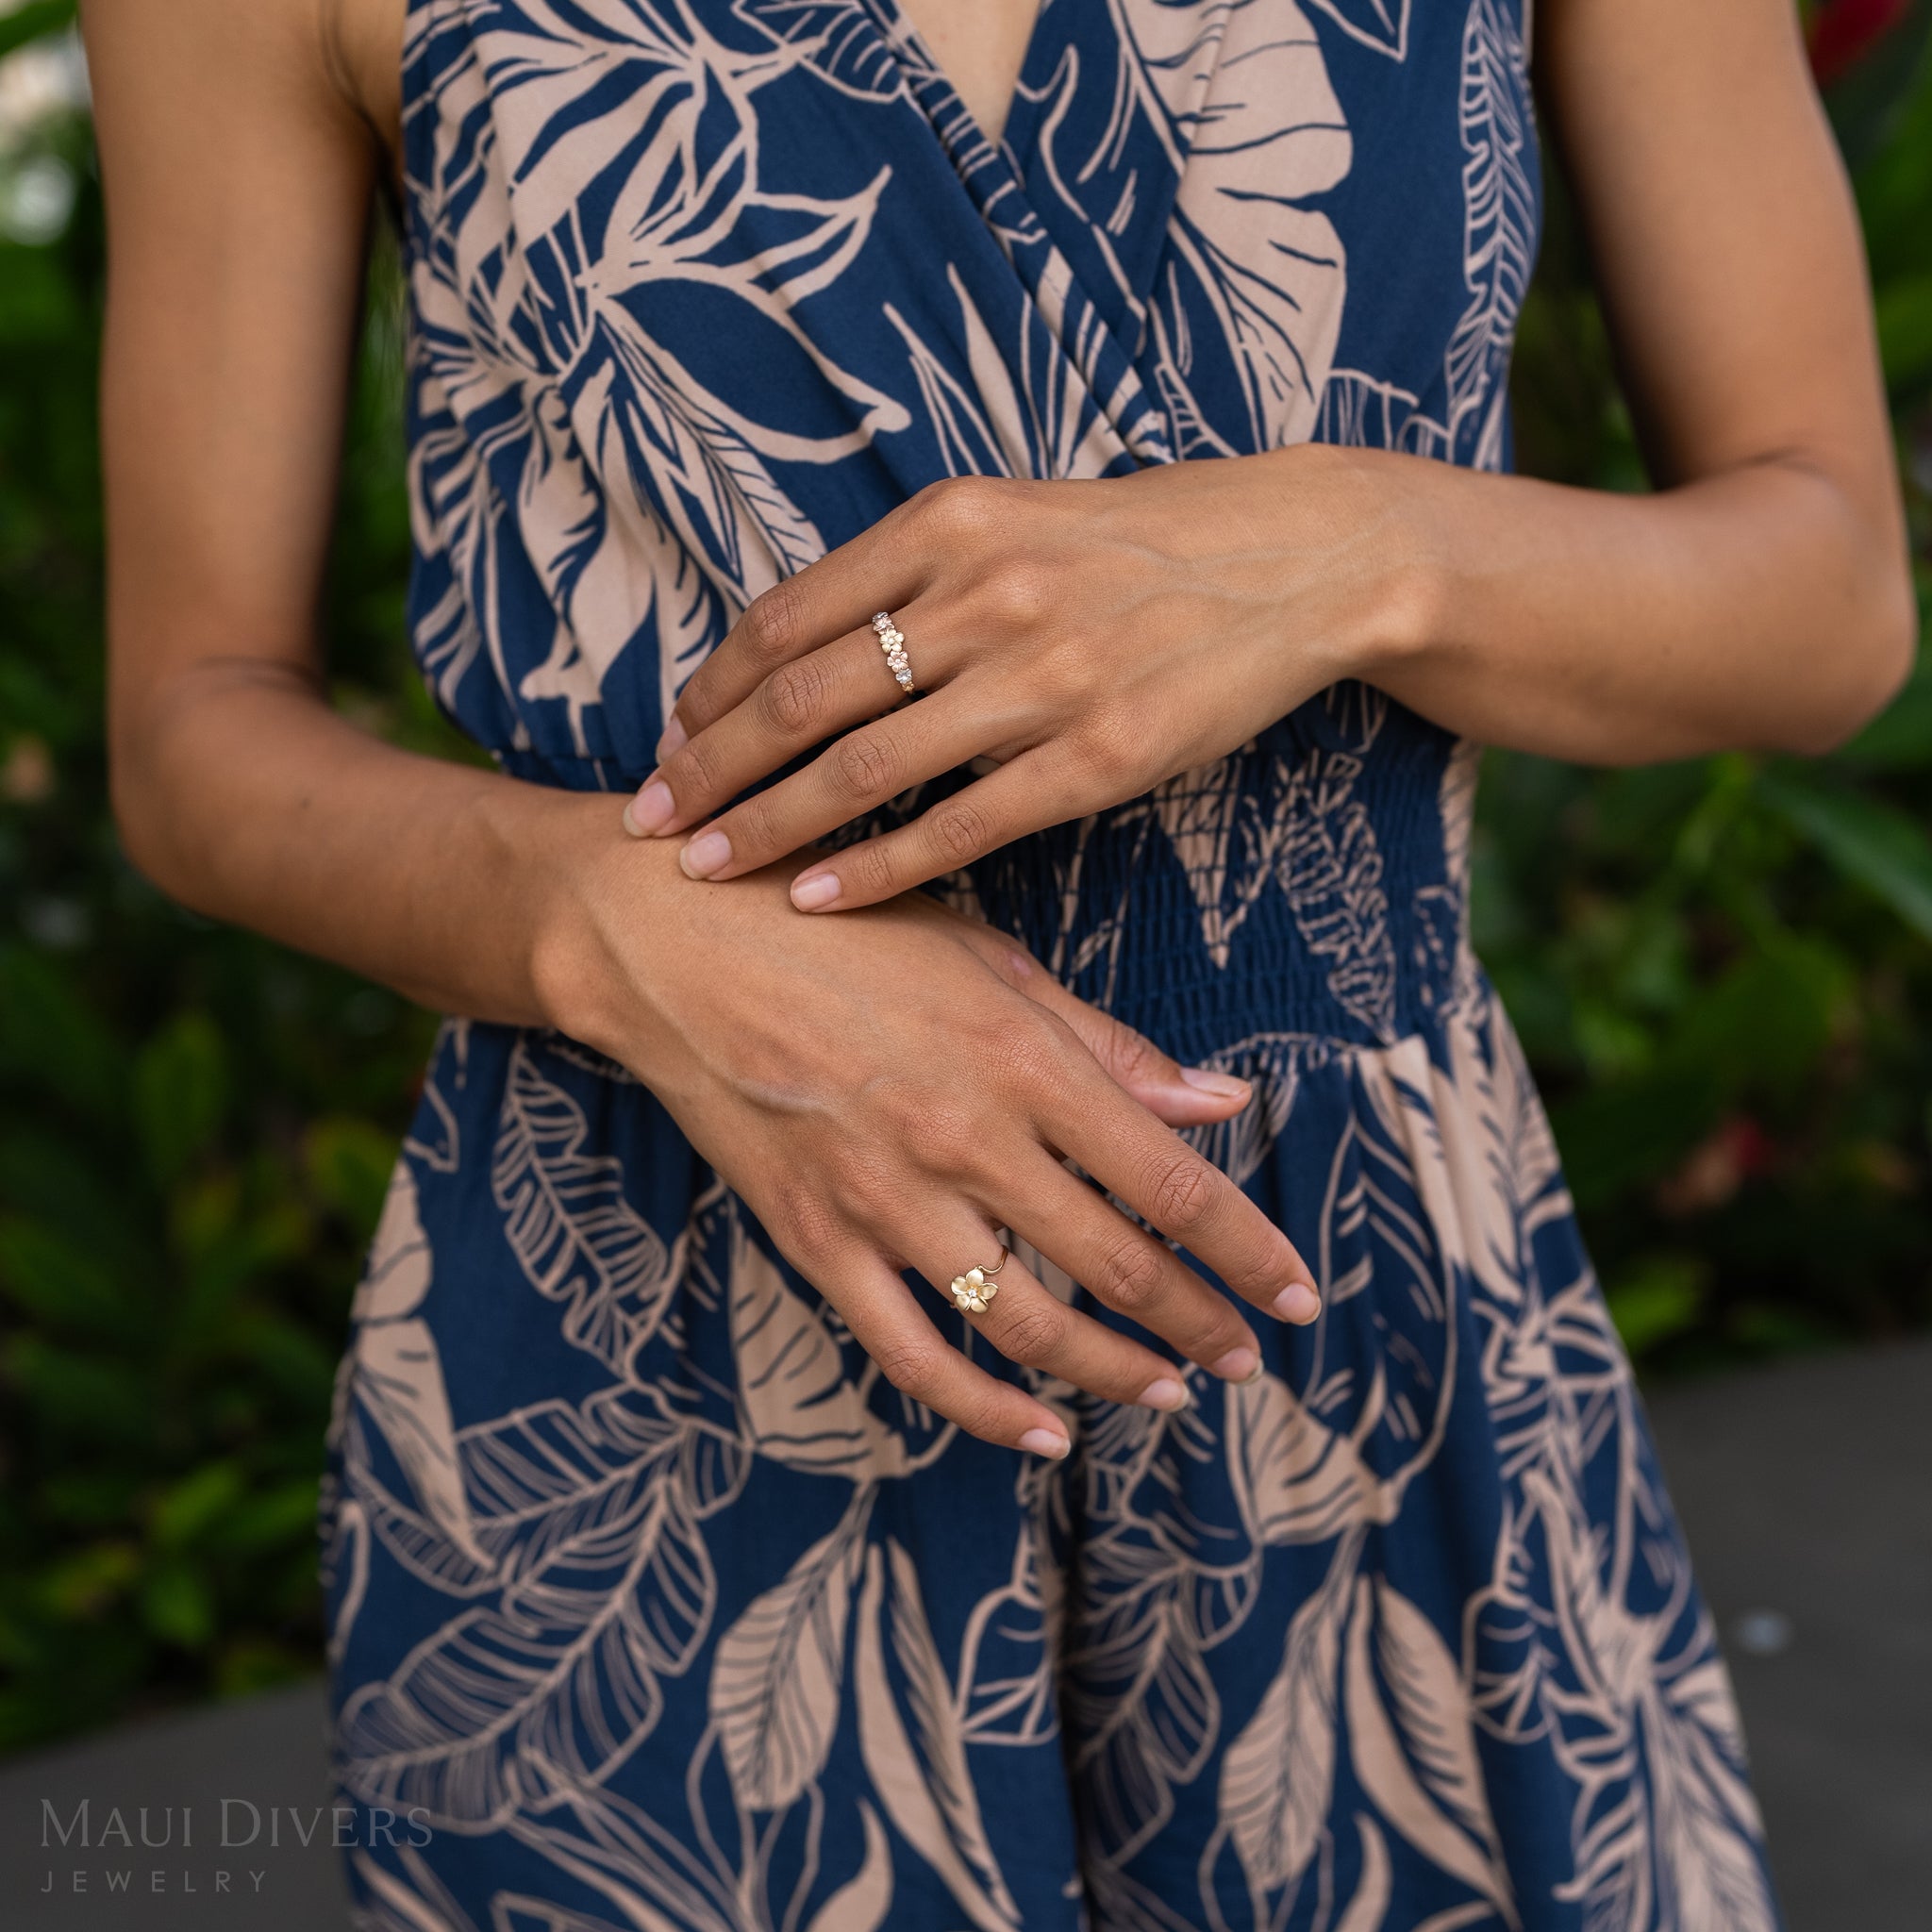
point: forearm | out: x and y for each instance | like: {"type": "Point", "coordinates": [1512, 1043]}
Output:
{"type": "Point", "coordinates": [243, 795]}
{"type": "Point", "coordinates": [1762, 608]}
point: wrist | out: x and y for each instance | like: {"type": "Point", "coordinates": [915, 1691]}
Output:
{"type": "Point", "coordinates": [1384, 586]}
{"type": "Point", "coordinates": [576, 878]}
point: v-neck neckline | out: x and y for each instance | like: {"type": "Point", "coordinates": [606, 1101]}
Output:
{"type": "Point", "coordinates": [899, 28]}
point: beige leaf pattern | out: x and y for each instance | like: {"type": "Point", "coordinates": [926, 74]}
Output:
{"type": "Point", "coordinates": [775, 1684]}
{"type": "Point", "coordinates": [925, 1787]}
{"type": "Point", "coordinates": [1277, 1778]}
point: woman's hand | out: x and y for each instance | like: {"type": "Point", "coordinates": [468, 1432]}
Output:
{"type": "Point", "coordinates": [893, 1091]}
{"type": "Point", "coordinates": [1091, 639]}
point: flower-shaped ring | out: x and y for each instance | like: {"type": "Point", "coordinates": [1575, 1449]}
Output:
{"type": "Point", "coordinates": [892, 642]}
{"type": "Point", "coordinates": [974, 1289]}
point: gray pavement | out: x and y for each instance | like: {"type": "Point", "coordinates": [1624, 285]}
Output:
{"type": "Point", "coordinates": [1806, 1492]}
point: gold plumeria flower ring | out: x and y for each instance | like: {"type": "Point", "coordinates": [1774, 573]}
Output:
{"type": "Point", "coordinates": [974, 1289]}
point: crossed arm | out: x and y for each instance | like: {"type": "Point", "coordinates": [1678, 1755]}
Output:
{"type": "Point", "coordinates": [1759, 598]}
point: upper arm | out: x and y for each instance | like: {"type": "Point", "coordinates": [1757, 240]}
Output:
{"type": "Point", "coordinates": [1724, 240]}
{"type": "Point", "coordinates": [237, 183]}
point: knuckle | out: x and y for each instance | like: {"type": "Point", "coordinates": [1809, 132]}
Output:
{"type": "Point", "coordinates": [1020, 593]}
{"type": "Point", "coordinates": [1132, 1057]}
{"type": "Point", "coordinates": [1107, 741]}
{"type": "Point", "coordinates": [812, 1227]}
{"type": "Point", "coordinates": [868, 870]}
{"type": "Point", "coordinates": [1033, 1333]}
{"type": "Point", "coordinates": [865, 767]}
{"type": "Point", "coordinates": [911, 1363]}
{"type": "Point", "coordinates": [772, 624]}
{"type": "Point", "coordinates": [959, 830]}
{"type": "Point", "coordinates": [1128, 1275]}
{"type": "Point", "coordinates": [692, 773]}
{"type": "Point", "coordinates": [1024, 1052]}
{"type": "Point", "coordinates": [1180, 1191]}
{"type": "Point", "coordinates": [948, 1137]}
{"type": "Point", "coordinates": [965, 507]}
{"type": "Point", "coordinates": [792, 699]}
{"type": "Point", "coordinates": [754, 828]}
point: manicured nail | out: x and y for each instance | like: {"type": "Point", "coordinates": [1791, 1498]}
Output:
{"type": "Point", "coordinates": [1225, 1085]}
{"type": "Point", "coordinates": [1237, 1365]}
{"type": "Point", "coordinates": [648, 812]}
{"type": "Point", "coordinates": [1164, 1392]}
{"type": "Point", "coordinates": [1297, 1302]}
{"type": "Point", "coordinates": [708, 853]}
{"type": "Point", "coordinates": [813, 890]}
{"type": "Point", "coordinates": [1045, 1443]}
{"type": "Point", "coordinates": [676, 738]}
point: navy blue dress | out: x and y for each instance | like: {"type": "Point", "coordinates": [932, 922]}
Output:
{"type": "Point", "coordinates": [654, 1605]}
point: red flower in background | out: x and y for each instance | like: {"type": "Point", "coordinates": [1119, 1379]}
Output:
{"type": "Point", "coordinates": [1842, 32]}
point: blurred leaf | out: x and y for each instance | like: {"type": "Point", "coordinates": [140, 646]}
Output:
{"type": "Point", "coordinates": [90, 1498]}
{"type": "Point", "coordinates": [1904, 309]}
{"type": "Point", "coordinates": [281, 1518]}
{"type": "Point", "coordinates": [1761, 1024]}
{"type": "Point", "coordinates": [1658, 1301]}
{"type": "Point", "coordinates": [83, 1584]}
{"type": "Point", "coordinates": [186, 1512]}
{"type": "Point", "coordinates": [1880, 847]}
{"type": "Point", "coordinates": [79, 1394]}
{"type": "Point", "coordinates": [1613, 1137]}
{"type": "Point", "coordinates": [33, 19]}
{"type": "Point", "coordinates": [176, 1605]}
{"type": "Point", "coordinates": [51, 1279]}
{"type": "Point", "coordinates": [49, 1037]}
{"type": "Point", "coordinates": [348, 1163]}
{"type": "Point", "coordinates": [180, 1091]}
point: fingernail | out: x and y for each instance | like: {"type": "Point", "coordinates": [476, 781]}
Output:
{"type": "Point", "coordinates": [1237, 1365]}
{"type": "Point", "coordinates": [1045, 1443]}
{"type": "Point", "coordinates": [676, 738]}
{"type": "Point", "coordinates": [815, 889]}
{"type": "Point", "coordinates": [1297, 1302]}
{"type": "Point", "coordinates": [1164, 1392]}
{"type": "Point", "coordinates": [708, 853]}
{"type": "Point", "coordinates": [1225, 1085]}
{"type": "Point", "coordinates": [649, 809]}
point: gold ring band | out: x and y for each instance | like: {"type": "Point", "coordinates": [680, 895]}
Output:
{"type": "Point", "coordinates": [974, 1289]}
{"type": "Point", "coordinates": [892, 642]}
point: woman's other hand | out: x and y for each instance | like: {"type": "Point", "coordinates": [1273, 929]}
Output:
{"type": "Point", "coordinates": [891, 1093]}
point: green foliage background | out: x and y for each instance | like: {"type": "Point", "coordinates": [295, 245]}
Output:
{"type": "Point", "coordinates": [1721, 970]}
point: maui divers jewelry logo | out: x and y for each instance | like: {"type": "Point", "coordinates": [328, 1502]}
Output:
{"type": "Point", "coordinates": [225, 1853]}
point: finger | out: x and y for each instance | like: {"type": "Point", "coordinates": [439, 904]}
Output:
{"type": "Point", "coordinates": [1165, 1181]}
{"type": "Point", "coordinates": [798, 705]}
{"type": "Point", "coordinates": [1135, 1274]}
{"type": "Point", "coordinates": [881, 569]}
{"type": "Point", "coordinates": [887, 1323]}
{"type": "Point", "coordinates": [852, 774]}
{"type": "Point", "coordinates": [958, 520]}
{"type": "Point", "coordinates": [1029, 1323]}
{"type": "Point", "coordinates": [1024, 796]}
{"type": "Point", "coordinates": [1181, 1096]}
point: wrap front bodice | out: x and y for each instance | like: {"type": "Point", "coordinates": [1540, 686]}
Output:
{"type": "Point", "coordinates": [701, 292]}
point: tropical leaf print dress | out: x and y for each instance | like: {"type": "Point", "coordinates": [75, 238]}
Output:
{"type": "Point", "coordinates": [654, 1605]}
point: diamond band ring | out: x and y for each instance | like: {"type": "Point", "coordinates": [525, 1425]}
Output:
{"type": "Point", "coordinates": [892, 642]}
{"type": "Point", "coordinates": [974, 1289]}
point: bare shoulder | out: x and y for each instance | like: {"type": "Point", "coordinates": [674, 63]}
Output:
{"type": "Point", "coordinates": [213, 61]}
